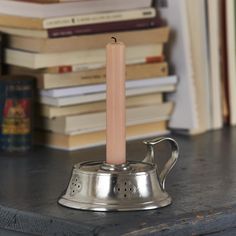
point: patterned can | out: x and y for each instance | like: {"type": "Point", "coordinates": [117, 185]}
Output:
{"type": "Point", "coordinates": [16, 118]}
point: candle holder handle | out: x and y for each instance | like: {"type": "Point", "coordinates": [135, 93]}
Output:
{"type": "Point", "coordinates": [169, 164]}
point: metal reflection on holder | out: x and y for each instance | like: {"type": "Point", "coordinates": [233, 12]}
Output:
{"type": "Point", "coordinates": [135, 185]}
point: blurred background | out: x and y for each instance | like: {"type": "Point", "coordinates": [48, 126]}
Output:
{"type": "Point", "coordinates": [180, 68]}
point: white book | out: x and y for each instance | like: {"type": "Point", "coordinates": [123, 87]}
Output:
{"type": "Point", "coordinates": [98, 88]}
{"type": "Point", "coordinates": [199, 50]}
{"type": "Point", "coordinates": [231, 57]}
{"type": "Point", "coordinates": [96, 56]}
{"type": "Point", "coordinates": [80, 99]}
{"type": "Point", "coordinates": [133, 101]}
{"type": "Point", "coordinates": [189, 60]}
{"type": "Point", "coordinates": [76, 20]}
{"type": "Point", "coordinates": [185, 113]}
{"type": "Point", "coordinates": [213, 11]}
{"type": "Point", "coordinates": [97, 121]}
{"type": "Point", "coordinates": [29, 9]}
{"type": "Point", "coordinates": [96, 18]}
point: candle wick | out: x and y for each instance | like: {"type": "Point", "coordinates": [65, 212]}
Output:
{"type": "Point", "coordinates": [114, 39]}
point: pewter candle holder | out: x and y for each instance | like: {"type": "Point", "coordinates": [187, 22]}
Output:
{"type": "Point", "coordinates": [135, 185]}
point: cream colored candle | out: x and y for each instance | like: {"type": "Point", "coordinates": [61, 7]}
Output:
{"type": "Point", "coordinates": [115, 79]}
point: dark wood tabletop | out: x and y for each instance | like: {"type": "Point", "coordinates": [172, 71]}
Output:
{"type": "Point", "coordinates": [202, 185]}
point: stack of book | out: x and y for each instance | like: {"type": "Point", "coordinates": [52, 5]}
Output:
{"type": "Point", "coordinates": [63, 45]}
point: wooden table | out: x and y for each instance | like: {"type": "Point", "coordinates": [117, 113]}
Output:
{"type": "Point", "coordinates": [202, 185]}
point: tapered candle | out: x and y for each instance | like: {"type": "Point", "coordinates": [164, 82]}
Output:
{"type": "Point", "coordinates": [115, 103]}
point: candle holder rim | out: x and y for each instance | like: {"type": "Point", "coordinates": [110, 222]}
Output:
{"type": "Point", "coordinates": [130, 167]}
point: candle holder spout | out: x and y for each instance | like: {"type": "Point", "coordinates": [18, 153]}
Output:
{"type": "Point", "coordinates": [135, 185]}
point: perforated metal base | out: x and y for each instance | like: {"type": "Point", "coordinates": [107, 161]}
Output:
{"type": "Point", "coordinates": [101, 187]}
{"type": "Point", "coordinates": [131, 186]}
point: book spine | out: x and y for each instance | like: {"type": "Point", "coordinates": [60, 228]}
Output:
{"type": "Point", "coordinates": [99, 18]}
{"type": "Point", "coordinates": [1, 54]}
{"type": "Point", "coordinates": [134, 72]}
{"type": "Point", "coordinates": [104, 27]}
{"type": "Point", "coordinates": [73, 68]}
{"type": "Point", "coordinates": [83, 67]}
